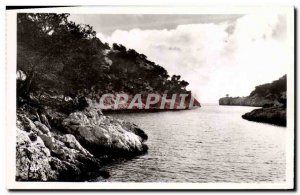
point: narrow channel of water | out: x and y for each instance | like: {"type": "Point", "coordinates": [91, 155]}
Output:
{"type": "Point", "coordinates": [210, 144]}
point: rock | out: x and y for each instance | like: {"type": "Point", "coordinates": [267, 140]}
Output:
{"type": "Point", "coordinates": [48, 140]}
{"type": "Point", "coordinates": [45, 121]}
{"type": "Point", "coordinates": [32, 160]}
{"type": "Point", "coordinates": [105, 174]}
{"type": "Point", "coordinates": [70, 141]}
{"type": "Point", "coordinates": [272, 115]}
{"type": "Point", "coordinates": [103, 135]}
{"type": "Point", "coordinates": [25, 123]}
{"type": "Point", "coordinates": [45, 156]}
{"type": "Point", "coordinates": [67, 171]}
{"type": "Point", "coordinates": [33, 137]}
{"type": "Point", "coordinates": [133, 128]}
{"type": "Point", "coordinates": [45, 153]}
{"type": "Point", "coordinates": [43, 128]}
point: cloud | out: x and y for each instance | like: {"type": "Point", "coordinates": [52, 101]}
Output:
{"type": "Point", "coordinates": [215, 58]}
{"type": "Point", "coordinates": [108, 23]}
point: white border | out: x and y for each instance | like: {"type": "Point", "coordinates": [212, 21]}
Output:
{"type": "Point", "coordinates": [11, 94]}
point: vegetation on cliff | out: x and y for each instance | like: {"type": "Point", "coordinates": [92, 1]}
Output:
{"type": "Point", "coordinates": [270, 96]}
{"type": "Point", "coordinates": [265, 95]}
{"type": "Point", "coordinates": [64, 58]}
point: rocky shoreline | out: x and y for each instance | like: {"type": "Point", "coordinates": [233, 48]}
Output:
{"type": "Point", "coordinates": [270, 96]}
{"type": "Point", "coordinates": [272, 115]}
{"type": "Point", "coordinates": [59, 140]}
{"type": "Point", "coordinates": [53, 146]}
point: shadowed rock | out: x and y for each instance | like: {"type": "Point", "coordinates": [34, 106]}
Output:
{"type": "Point", "coordinates": [272, 115]}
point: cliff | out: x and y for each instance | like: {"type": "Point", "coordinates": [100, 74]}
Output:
{"type": "Point", "coordinates": [270, 96]}
{"type": "Point", "coordinates": [254, 101]}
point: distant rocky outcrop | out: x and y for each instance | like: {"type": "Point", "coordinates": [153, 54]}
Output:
{"type": "Point", "coordinates": [270, 96]}
{"type": "Point", "coordinates": [254, 101]}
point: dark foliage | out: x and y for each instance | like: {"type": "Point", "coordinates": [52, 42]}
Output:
{"type": "Point", "coordinates": [60, 57]}
{"type": "Point", "coordinates": [275, 88]}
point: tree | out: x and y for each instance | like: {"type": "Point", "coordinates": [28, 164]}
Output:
{"type": "Point", "coordinates": [183, 84]}
{"type": "Point", "coordinates": [50, 46]}
{"type": "Point", "coordinates": [58, 55]}
{"type": "Point", "coordinates": [36, 42]}
{"type": "Point", "coordinates": [175, 78]}
{"type": "Point", "coordinates": [119, 47]}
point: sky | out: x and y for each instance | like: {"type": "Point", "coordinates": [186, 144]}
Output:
{"type": "Point", "coordinates": [216, 54]}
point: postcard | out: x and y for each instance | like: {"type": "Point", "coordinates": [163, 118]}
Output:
{"type": "Point", "coordinates": [150, 97]}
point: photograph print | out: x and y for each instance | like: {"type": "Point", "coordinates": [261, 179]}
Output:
{"type": "Point", "coordinates": [170, 98]}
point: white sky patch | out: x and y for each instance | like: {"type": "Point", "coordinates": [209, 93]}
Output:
{"type": "Point", "coordinates": [215, 58]}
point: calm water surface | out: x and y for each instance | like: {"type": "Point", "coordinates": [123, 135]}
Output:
{"type": "Point", "coordinates": [210, 144]}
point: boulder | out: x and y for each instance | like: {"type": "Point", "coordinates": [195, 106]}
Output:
{"type": "Point", "coordinates": [104, 135]}
{"type": "Point", "coordinates": [71, 142]}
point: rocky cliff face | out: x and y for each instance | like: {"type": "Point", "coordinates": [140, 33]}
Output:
{"type": "Point", "coordinates": [254, 101]}
{"type": "Point", "coordinates": [76, 151]}
{"type": "Point", "coordinates": [270, 96]}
